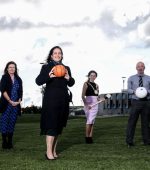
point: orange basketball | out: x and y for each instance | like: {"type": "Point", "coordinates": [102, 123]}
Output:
{"type": "Point", "coordinates": [59, 71]}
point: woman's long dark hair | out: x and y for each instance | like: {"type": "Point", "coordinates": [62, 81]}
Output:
{"type": "Point", "coordinates": [7, 65]}
{"type": "Point", "coordinates": [51, 53]}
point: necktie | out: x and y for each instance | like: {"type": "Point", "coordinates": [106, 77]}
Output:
{"type": "Point", "coordinates": [140, 81]}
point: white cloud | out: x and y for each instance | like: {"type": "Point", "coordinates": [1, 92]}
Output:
{"type": "Point", "coordinates": [104, 35]}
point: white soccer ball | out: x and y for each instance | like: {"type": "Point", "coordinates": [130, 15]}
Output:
{"type": "Point", "coordinates": [141, 92]}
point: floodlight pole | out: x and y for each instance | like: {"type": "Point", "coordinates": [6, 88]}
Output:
{"type": "Point", "coordinates": [123, 81]}
{"type": "Point", "coordinates": [123, 91]}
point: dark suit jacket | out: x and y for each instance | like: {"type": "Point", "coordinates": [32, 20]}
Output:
{"type": "Point", "coordinates": [6, 85]}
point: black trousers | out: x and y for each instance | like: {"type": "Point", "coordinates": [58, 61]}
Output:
{"type": "Point", "coordinates": [138, 108]}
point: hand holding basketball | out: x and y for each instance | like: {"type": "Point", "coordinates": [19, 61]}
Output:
{"type": "Point", "coordinates": [51, 74]}
{"type": "Point", "coordinates": [67, 75]}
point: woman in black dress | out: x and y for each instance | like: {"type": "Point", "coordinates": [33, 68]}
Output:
{"type": "Point", "coordinates": [55, 106]}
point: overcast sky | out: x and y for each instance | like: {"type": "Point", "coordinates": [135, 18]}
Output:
{"type": "Point", "coordinates": [109, 36]}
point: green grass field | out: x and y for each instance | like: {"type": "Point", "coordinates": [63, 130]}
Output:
{"type": "Point", "coordinates": [109, 151]}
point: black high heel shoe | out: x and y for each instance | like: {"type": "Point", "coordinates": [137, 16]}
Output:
{"type": "Point", "coordinates": [48, 158]}
{"type": "Point", "coordinates": [88, 140]}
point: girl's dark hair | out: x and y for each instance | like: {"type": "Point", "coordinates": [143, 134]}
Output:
{"type": "Point", "coordinates": [92, 71]}
{"type": "Point", "coordinates": [51, 53]}
{"type": "Point", "coordinates": [7, 65]}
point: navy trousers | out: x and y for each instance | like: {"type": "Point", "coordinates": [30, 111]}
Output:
{"type": "Point", "coordinates": [138, 108]}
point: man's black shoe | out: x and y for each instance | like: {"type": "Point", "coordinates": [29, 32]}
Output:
{"type": "Point", "coordinates": [130, 145]}
{"type": "Point", "coordinates": [146, 144]}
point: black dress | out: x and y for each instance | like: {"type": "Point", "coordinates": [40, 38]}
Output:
{"type": "Point", "coordinates": [55, 106]}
